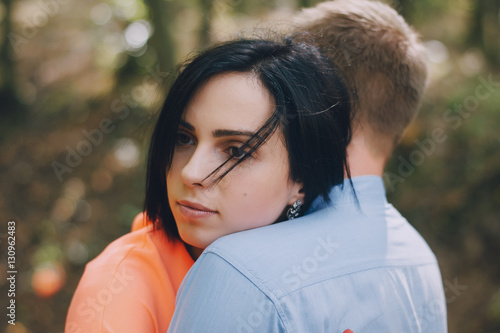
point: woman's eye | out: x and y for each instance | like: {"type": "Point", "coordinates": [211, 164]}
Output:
{"type": "Point", "coordinates": [236, 152]}
{"type": "Point", "coordinates": [183, 139]}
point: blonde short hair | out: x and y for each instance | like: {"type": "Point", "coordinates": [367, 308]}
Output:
{"type": "Point", "coordinates": [381, 54]}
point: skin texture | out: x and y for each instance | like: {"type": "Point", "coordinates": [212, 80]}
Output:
{"type": "Point", "coordinates": [252, 195]}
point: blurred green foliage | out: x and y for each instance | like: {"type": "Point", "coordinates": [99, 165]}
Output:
{"type": "Point", "coordinates": [80, 82]}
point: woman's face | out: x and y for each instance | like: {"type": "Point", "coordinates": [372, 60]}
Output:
{"type": "Point", "coordinates": [223, 115]}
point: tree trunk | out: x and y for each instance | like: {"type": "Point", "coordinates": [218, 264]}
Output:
{"type": "Point", "coordinates": [484, 31]}
{"type": "Point", "coordinates": [11, 110]}
{"type": "Point", "coordinates": [205, 29]}
{"type": "Point", "coordinates": [162, 14]}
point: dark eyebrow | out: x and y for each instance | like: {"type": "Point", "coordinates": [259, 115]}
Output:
{"type": "Point", "coordinates": [225, 132]}
{"type": "Point", "coordinates": [219, 133]}
{"type": "Point", "coordinates": [187, 125]}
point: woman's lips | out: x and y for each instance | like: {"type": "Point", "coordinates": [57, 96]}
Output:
{"type": "Point", "coordinates": [194, 210]}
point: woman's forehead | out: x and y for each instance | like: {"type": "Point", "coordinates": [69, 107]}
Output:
{"type": "Point", "coordinates": [232, 101]}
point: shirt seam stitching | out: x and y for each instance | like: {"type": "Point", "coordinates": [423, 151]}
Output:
{"type": "Point", "coordinates": [234, 262]}
{"type": "Point", "coordinates": [355, 272]}
{"type": "Point", "coordinates": [260, 286]}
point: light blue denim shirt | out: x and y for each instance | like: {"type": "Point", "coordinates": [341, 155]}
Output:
{"type": "Point", "coordinates": [342, 266]}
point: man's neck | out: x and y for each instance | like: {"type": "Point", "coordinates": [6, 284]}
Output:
{"type": "Point", "coordinates": [363, 161]}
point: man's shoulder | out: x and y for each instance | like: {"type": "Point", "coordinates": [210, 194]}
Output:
{"type": "Point", "coordinates": [310, 270]}
{"type": "Point", "coordinates": [321, 246]}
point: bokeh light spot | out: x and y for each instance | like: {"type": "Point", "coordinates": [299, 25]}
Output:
{"type": "Point", "coordinates": [127, 153]}
{"type": "Point", "coordinates": [100, 14]}
{"type": "Point", "coordinates": [436, 51]}
{"type": "Point", "coordinates": [137, 34]}
{"type": "Point", "coordinates": [77, 253]}
{"type": "Point", "coordinates": [48, 279]}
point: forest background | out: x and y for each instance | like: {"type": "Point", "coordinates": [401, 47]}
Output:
{"type": "Point", "coordinates": [80, 85]}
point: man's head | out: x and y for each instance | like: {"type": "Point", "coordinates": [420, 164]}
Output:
{"type": "Point", "coordinates": [383, 58]}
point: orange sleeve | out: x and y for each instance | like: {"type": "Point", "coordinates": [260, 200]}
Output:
{"type": "Point", "coordinates": [117, 307]}
{"type": "Point", "coordinates": [130, 287]}
{"type": "Point", "coordinates": [140, 221]}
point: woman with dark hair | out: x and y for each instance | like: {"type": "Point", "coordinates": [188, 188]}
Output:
{"type": "Point", "coordinates": [251, 132]}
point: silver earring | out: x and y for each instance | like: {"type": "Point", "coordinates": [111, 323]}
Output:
{"type": "Point", "coordinates": [293, 211]}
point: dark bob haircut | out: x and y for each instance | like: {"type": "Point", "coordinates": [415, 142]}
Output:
{"type": "Point", "coordinates": [312, 109]}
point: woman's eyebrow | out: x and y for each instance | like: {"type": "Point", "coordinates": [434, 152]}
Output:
{"type": "Point", "coordinates": [225, 132]}
{"type": "Point", "coordinates": [219, 133]}
{"type": "Point", "coordinates": [187, 125]}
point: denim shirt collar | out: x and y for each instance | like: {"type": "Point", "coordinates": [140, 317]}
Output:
{"type": "Point", "coordinates": [367, 190]}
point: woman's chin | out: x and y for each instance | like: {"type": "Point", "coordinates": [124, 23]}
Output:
{"type": "Point", "coordinates": [195, 242]}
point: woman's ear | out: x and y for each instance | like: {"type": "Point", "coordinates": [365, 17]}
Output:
{"type": "Point", "coordinates": [297, 193]}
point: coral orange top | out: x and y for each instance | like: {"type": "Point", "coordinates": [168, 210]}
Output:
{"type": "Point", "coordinates": [131, 286]}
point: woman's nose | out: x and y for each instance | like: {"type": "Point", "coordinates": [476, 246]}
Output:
{"type": "Point", "coordinates": [197, 168]}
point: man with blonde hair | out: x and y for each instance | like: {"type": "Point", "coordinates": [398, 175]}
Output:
{"type": "Point", "coordinates": [385, 62]}
{"type": "Point", "coordinates": [357, 265]}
